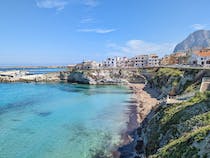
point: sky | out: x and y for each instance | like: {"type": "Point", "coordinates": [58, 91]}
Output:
{"type": "Point", "coordinates": [61, 32]}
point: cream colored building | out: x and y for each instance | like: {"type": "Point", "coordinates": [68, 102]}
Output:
{"type": "Point", "coordinates": [153, 60]}
{"type": "Point", "coordinates": [140, 60]}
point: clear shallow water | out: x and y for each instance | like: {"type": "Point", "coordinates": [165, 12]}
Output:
{"type": "Point", "coordinates": [60, 120]}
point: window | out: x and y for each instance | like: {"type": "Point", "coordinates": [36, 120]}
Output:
{"type": "Point", "coordinates": [208, 62]}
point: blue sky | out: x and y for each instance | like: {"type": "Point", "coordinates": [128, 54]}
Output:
{"type": "Point", "coordinates": [52, 32]}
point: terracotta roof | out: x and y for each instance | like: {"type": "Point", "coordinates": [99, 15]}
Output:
{"type": "Point", "coordinates": [203, 53]}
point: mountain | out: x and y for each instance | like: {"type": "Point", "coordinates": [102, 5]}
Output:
{"type": "Point", "coordinates": [197, 40]}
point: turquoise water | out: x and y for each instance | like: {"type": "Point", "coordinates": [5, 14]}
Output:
{"type": "Point", "coordinates": [60, 120]}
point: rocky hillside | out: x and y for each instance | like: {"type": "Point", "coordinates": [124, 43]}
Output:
{"type": "Point", "coordinates": [180, 130]}
{"type": "Point", "coordinates": [106, 76]}
{"type": "Point", "coordinates": [196, 40]}
{"type": "Point", "coordinates": [171, 81]}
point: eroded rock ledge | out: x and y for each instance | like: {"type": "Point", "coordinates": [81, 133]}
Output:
{"type": "Point", "coordinates": [100, 76]}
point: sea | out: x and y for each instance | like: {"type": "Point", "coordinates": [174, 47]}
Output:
{"type": "Point", "coordinates": [61, 120]}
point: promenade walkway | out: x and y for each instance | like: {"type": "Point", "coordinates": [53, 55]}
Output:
{"type": "Point", "coordinates": [179, 98]}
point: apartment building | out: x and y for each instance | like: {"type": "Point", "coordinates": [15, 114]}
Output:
{"type": "Point", "coordinates": [153, 60]}
{"type": "Point", "coordinates": [140, 60]}
{"type": "Point", "coordinates": [115, 62]}
{"type": "Point", "coordinates": [201, 57]}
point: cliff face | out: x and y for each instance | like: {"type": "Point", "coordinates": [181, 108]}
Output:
{"type": "Point", "coordinates": [109, 76]}
{"type": "Point", "coordinates": [179, 130]}
{"type": "Point", "coordinates": [171, 81]}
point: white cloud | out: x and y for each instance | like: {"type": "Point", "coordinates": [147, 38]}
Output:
{"type": "Point", "coordinates": [52, 4]}
{"type": "Point", "coordinates": [136, 47]}
{"type": "Point", "coordinates": [60, 4]}
{"type": "Point", "coordinates": [91, 3]}
{"type": "Point", "coordinates": [100, 31]}
{"type": "Point", "coordinates": [198, 26]}
{"type": "Point", "coordinates": [87, 20]}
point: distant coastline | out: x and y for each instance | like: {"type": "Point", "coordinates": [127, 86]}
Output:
{"type": "Point", "coordinates": [32, 67]}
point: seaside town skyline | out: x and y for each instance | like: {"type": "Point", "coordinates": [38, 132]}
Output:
{"type": "Point", "coordinates": [61, 32]}
{"type": "Point", "coordinates": [105, 79]}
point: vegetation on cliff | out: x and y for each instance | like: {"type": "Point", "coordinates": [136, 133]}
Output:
{"type": "Point", "coordinates": [176, 81]}
{"type": "Point", "coordinates": [189, 145]}
{"type": "Point", "coordinates": [180, 130]}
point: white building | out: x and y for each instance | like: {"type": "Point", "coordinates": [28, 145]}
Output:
{"type": "Point", "coordinates": [115, 62]}
{"type": "Point", "coordinates": [110, 62]}
{"type": "Point", "coordinates": [122, 62]}
{"type": "Point", "coordinates": [137, 61]}
{"type": "Point", "coordinates": [140, 60]}
{"type": "Point", "coordinates": [130, 63]}
{"type": "Point", "coordinates": [153, 60]}
{"type": "Point", "coordinates": [201, 57]}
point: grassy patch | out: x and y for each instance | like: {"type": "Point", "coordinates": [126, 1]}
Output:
{"type": "Point", "coordinates": [183, 146]}
{"type": "Point", "coordinates": [170, 111]}
{"type": "Point", "coordinates": [169, 72]}
{"type": "Point", "coordinates": [174, 121]}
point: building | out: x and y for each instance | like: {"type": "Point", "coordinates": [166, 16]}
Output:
{"type": "Point", "coordinates": [86, 65]}
{"type": "Point", "coordinates": [130, 63]}
{"type": "Point", "coordinates": [181, 58]}
{"type": "Point", "coordinates": [122, 62]}
{"type": "Point", "coordinates": [201, 57]}
{"type": "Point", "coordinates": [115, 62]}
{"type": "Point", "coordinates": [153, 60]}
{"type": "Point", "coordinates": [165, 60]}
{"type": "Point", "coordinates": [140, 60]}
{"type": "Point", "coordinates": [137, 61]}
{"type": "Point", "coordinates": [110, 62]}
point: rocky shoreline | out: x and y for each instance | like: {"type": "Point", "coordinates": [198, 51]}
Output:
{"type": "Point", "coordinates": [24, 76]}
{"type": "Point", "coordinates": [142, 102]}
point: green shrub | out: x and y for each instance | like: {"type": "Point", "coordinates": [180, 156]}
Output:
{"type": "Point", "coordinates": [183, 146]}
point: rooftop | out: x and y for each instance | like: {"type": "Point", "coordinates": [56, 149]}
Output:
{"type": "Point", "coordinates": [203, 52]}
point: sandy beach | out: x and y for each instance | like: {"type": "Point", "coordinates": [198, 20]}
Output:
{"type": "Point", "coordinates": [142, 101]}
